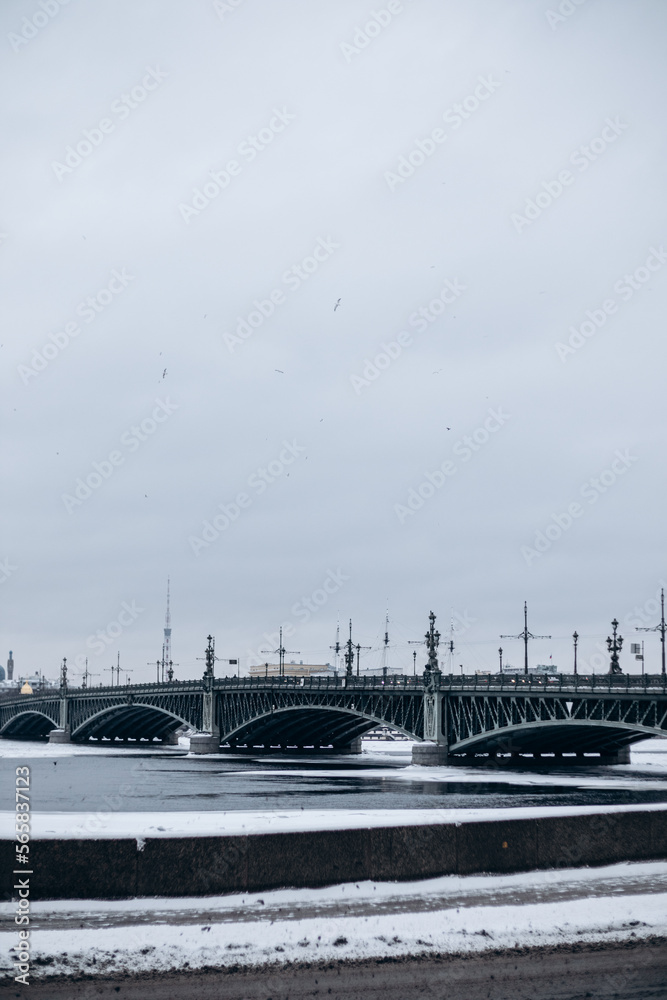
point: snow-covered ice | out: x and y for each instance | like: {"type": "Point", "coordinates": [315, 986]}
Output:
{"type": "Point", "coordinates": [51, 826]}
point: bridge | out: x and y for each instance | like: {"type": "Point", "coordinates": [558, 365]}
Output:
{"type": "Point", "coordinates": [455, 719]}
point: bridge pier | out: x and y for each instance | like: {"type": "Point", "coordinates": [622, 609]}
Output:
{"type": "Point", "coordinates": [60, 736]}
{"type": "Point", "coordinates": [434, 750]}
{"type": "Point", "coordinates": [431, 754]}
{"type": "Point", "coordinates": [620, 757]}
{"type": "Point", "coordinates": [204, 743]}
{"type": "Point", "coordinates": [62, 733]}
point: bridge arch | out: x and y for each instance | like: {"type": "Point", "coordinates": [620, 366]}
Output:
{"type": "Point", "coordinates": [305, 726]}
{"type": "Point", "coordinates": [29, 724]}
{"type": "Point", "coordinates": [136, 720]}
{"type": "Point", "coordinates": [562, 736]}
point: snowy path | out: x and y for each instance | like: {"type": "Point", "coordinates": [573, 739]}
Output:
{"type": "Point", "coordinates": [444, 916]}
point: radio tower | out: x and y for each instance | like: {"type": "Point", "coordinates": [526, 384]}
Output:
{"type": "Point", "coordinates": [166, 646]}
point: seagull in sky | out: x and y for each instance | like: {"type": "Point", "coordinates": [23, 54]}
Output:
{"type": "Point", "coordinates": [336, 306]}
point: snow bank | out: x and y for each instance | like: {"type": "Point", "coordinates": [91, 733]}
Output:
{"type": "Point", "coordinates": [254, 939]}
{"type": "Point", "coordinates": [56, 826]}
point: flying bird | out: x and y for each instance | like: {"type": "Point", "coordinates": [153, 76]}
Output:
{"type": "Point", "coordinates": [336, 306]}
{"type": "Point", "coordinates": [278, 370]}
{"type": "Point", "coordinates": [164, 373]}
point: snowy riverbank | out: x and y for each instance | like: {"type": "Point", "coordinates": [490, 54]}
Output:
{"type": "Point", "coordinates": [447, 915]}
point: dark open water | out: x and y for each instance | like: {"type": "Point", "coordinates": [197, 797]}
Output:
{"type": "Point", "coordinates": [168, 780]}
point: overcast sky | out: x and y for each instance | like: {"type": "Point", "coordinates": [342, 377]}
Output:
{"type": "Point", "coordinates": [321, 307]}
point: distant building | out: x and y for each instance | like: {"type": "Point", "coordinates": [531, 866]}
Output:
{"type": "Point", "coordinates": [380, 672]}
{"type": "Point", "coordinates": [291, 669]}
{"type": "Point", "coordinates": [10, 667]}
{"type": "Point", "coordinates": [541, 668]}
{"type": "Point", "coordinates": [2, 674]}
{"type": "Point", "coordinates": [36, 682]}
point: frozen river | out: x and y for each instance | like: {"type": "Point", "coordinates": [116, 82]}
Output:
{"type": "Point", "coordinates": [160, 779]}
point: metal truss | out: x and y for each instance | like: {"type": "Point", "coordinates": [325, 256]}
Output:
{"type": "Point", "coordinates": [540, 722]}
{"type": "Point", "coordinates": [480, 714]}
{"type": "Point", "coordinates": [142, 712]}
{"type": "Point", "coordinates": [27, 718]}
{"type": "Point", "coordinates": [306, 716]}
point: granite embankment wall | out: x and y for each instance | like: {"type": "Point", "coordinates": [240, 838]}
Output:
{"type": "Point", "coordinates": [190, 866]}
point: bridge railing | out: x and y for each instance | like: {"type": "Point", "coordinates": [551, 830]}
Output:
{"type": "Point", "coordinates": [556, 682]}
{"type": "Point", "coordinates": [503, 682]}
{"type": "Point", "coordinates": [392, 681]}
{"type": "Point", "coordinates": [532, 683]}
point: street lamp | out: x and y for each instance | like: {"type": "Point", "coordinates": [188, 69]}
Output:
{"type": "Point", "coordinates": [614, 646]}
{"type": "Point", "coordinates": [576, 640]}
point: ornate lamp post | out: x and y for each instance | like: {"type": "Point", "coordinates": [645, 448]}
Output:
{"type": "Point", "coordinates": [500, 654]}
{"type": "Point", "coordinates": [432, 642]}
{"type": "Point", "coordinates": [575, 637]}
{"type": "Point", "coordinates": [614, 646]}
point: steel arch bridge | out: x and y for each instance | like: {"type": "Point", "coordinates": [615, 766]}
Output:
{"type": "Point", "coordinates": [282, 712]}
{"type": "Point", "coordinates": [548, 723]}
{"type": "Point", "coordinates": [485, 714]}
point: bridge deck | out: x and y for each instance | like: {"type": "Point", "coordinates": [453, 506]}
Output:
{"type": "Point", "coordinates": [480, 712]}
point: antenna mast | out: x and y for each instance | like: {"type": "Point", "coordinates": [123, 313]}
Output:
{"type": "Point", "coordinates": [450, 647]}
{"type": "Point", "coordinates": [525, 635]}
{"type": "Point", "coordinates": [385, 646]}
{"type": "Point", "coordinates": [166, 648]}
{"type": "Point", "coordinates": [337, 647]}
{"type": "Point", "coordinates": [661, 628]}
